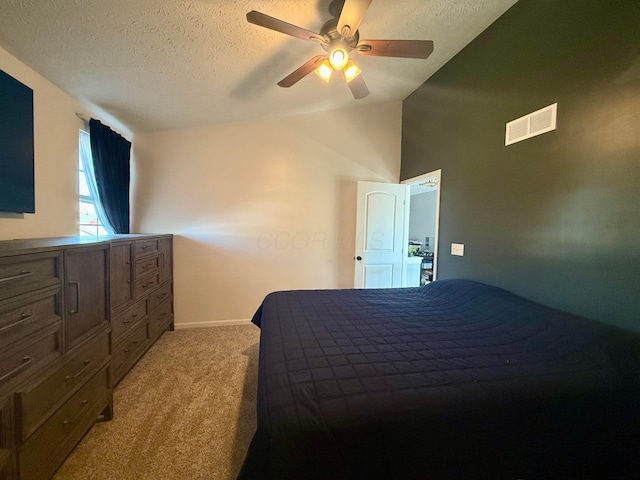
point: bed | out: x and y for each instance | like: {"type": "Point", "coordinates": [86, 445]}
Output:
{"type": "Point", "coordinates": [455, 379]}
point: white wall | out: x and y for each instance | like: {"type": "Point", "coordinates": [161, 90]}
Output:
{"type": "Point", "coordinates": [261, 205]}
{"type": "Point", "coordinates": [56, 156]}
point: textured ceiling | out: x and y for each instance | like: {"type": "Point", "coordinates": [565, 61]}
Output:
{"type": "Point", "coordinates": [160, 64]}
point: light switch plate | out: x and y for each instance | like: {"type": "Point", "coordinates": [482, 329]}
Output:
{"type": "Point", "coordinates": [457, 249]}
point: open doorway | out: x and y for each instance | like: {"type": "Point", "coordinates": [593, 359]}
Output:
{"type": "Point", "coordinates": [422, 228]}
{"type": "Point", "coordinates": [397, 232]}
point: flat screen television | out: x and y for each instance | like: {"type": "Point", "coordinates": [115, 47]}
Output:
{"type": "Point", "coordinates": [17, 193]}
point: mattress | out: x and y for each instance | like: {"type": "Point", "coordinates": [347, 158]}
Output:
{"type": "Point", "coordinates": [455, 379]}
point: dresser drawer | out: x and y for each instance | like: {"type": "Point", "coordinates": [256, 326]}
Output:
{"type": "Point", "coordinates": [128, 319]}
{"type": "Point", "coordinates": [156, 298]}
{"type": "Point", "coordinates": [26, 273]}
{"type": "Point", "coordinates": [146, 284]}
{"type": "Point", "coordinates": [160, 318]}
{"type": "Point", "coordinates": [146, 265]}
{"type": "Point", "coordinates": [23, 318]}
{"type": "Point", "coordinates": [28, 357]}
{"type": "Point", "coordinates": [127, 352]}
{"type": "Point", "coordinates": [146, 247]}
{"type": "Point", "coordinates": [46, 449]}
{"type": "Point", "coordinates": [37, 402]}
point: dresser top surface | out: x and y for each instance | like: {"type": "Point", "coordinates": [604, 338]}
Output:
{"type": "Point", "coordinates": [12, 247]}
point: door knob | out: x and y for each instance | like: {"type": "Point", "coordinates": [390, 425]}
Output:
{"type": "Point", "coordinates": [358, 258]}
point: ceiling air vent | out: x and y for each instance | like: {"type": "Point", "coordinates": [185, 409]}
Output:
{"type": "Point", "coordinates": [540, 121]}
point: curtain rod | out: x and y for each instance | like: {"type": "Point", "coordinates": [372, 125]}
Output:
{"type": "Point", "coordinates": [86, 119]}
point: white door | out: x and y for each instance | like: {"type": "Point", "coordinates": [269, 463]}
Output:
{"type": "Point", "coordinates": [380, 235]}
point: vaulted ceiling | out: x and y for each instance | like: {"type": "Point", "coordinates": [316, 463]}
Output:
{"type": "Point", "coordinates": [159, 64]}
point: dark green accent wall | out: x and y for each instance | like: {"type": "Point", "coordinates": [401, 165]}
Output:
{"type": "Point", "coordinates": [555, 218]}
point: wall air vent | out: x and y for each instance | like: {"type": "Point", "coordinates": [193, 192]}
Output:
{"type": "Point", "coordinates": [540, 121]}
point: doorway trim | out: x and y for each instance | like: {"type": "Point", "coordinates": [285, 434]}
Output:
{"type": "Point", "coordinates": [436, 243]}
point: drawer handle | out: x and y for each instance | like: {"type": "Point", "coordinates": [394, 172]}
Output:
{"type": "Point", "coordinates": [17, 277]}
{"type": "Point", "coordinates": [25, 361]}
{"type": "Point", "coordinates": [86, 364]}
{"type": "Point", "coordinates": [147, 285]}
{"type": "Point", "coordinates": [131, 319]}
{"type": "Point", "coordinates": [24, 318]}
{"type": "Point", "coordinates": [77, 309]}
{"type": "Point", "coordinates": [162, 295]}
{"type": "Point", "coordinates": [134, 343]}
{"type": "Point", "coordinates": [163, 315]}
{"type": "Point", "coordinates": [74, 419]}
{"type": "Point", "coordinates": [146, 247]}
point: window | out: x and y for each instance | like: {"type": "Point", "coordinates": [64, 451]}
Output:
{"type": "Point", "coordinates": [89, 214]}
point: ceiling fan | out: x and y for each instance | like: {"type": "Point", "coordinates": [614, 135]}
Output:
{"type": "Point", "coordinates": [340, 37]}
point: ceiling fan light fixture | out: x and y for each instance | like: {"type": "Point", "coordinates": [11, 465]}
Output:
{"type": "Point", "coordinates": [351, 71]}
{"type": "Point", "coordinates": [324, 71]}
{"type": "Point", "coordinates": [338, 58]}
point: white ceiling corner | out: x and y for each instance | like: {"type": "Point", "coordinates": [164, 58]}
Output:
{"type": "Point", "coordinates": [157, 64]}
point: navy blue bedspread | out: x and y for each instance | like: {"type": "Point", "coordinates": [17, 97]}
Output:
{"type": "Point", "coordinates": [455, 379]}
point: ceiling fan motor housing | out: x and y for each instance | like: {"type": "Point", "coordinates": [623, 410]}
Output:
{"type": "Point", "coordinates": [334, 39]}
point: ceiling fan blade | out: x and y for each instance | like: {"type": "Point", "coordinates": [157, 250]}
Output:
{"type": "Point", "coordinates": [272, 23]}
{"type": "Point", "coordinates": [352, 14]}
{"type": "Point", "coordinates": [301, 72]}
{"type": "Point", "coordinates": [396, 48]}
{"type": "Point", "coordinates": [358, 87]}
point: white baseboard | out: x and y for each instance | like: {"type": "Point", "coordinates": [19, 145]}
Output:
{"type": "Point", "coordinates": [212, 323]}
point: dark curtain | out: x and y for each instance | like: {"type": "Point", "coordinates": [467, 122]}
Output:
{"type": "Point", "coordinates": [111, 155]}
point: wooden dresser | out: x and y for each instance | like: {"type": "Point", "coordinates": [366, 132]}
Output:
{"type": "Point", "coordinates": [75, 315]}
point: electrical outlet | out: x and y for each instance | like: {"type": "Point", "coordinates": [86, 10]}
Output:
{"type": "Point", "coordinates": [457, 249]}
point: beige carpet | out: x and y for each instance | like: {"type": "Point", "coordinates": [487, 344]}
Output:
{"type": "Point", "coordinates": [185, 411]}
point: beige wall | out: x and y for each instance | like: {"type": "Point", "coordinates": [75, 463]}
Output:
{"type": "Point", "coordinates": [56, 156]}
{"type": "Point", "coordinates": [261, 205]}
